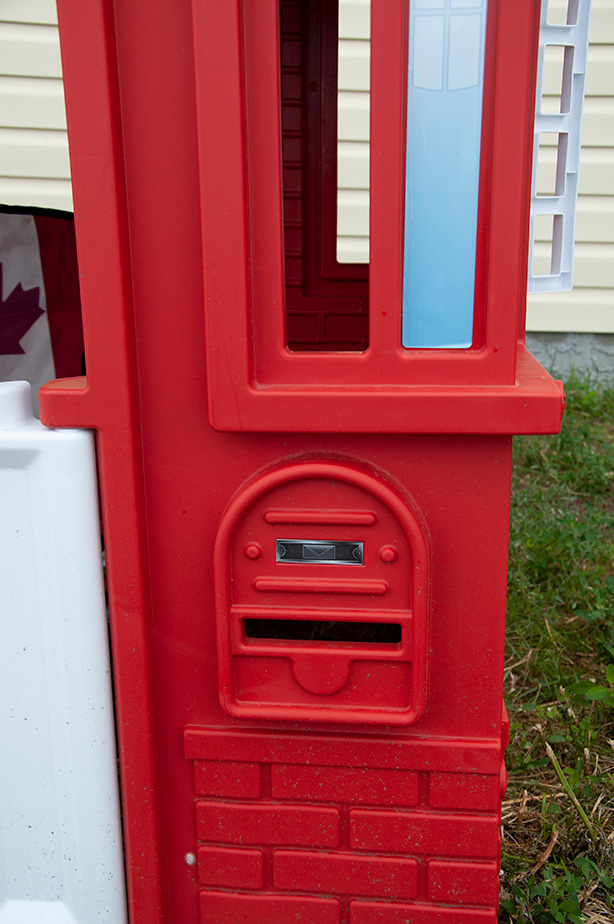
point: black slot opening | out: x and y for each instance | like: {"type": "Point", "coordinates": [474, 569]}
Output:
{"type": "Point", "coordinates": [383, 633]}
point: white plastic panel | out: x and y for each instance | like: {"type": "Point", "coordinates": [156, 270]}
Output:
{"type": "Point", "coordinates": [60, 839]}
{"type": "Point", "coordinates": [561, 130]}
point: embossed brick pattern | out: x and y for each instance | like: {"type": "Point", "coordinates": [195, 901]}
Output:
{"type": "Point", "coordinates": [229, 908]}
{"type": "Point", "coordinates": [230, 778]}
{"type": "Point", "coordinates": [463, 882]}
{"type": "Point", "coordinates": [385, 913]}
{"type": "Point", "coordinates": [401, 836]}
{"type": "Point", "coordinates": [348, 873]}
{"type": "Point", "coordinates": [263, 823]}
{"type": "Point", "coordinates": [424, 833]}
{"type": "Point", "coordinates": [474, 791]}
{"type": "Point", "coordinates": [346, 784]}
{"type": "Point", "coordinates": [230, 867]}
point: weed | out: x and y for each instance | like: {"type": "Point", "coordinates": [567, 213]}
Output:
{"type": "Point", "coordinates": [556, 895]}
{"type": "Point", "coordinates": [589, 691]}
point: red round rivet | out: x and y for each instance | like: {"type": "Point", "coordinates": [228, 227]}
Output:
{"type": "Point", "coordinates": [253, 550]}
{"type": "Point", "coordinates": [388, 554]}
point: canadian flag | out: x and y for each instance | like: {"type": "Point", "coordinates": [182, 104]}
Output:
{"type": "Point", "coordinates": [41, 335]}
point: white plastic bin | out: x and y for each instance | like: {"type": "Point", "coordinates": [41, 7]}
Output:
{"type": "Point", "coordinates": [61, 857]}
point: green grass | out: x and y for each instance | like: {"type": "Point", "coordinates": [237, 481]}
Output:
{"type": "Point", "coordinates": [558, 815]}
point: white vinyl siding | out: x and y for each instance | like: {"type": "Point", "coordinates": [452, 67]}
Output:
{"type": "Point", "coordinates": [353, 131]}
{"type": "Point", "coordinates": [34, 164]}
{"type": "Point", "coordinates": [589, 307]}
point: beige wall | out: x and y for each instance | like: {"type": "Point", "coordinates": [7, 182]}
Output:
{"type": "Point", "coordinates": [34, 168]}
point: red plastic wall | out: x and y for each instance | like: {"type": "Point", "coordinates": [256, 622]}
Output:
{"type": "Point", "coordinates": [303, 814]}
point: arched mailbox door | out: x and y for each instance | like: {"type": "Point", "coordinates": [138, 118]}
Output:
{"type": "Point", "coordinates": [322, 599]}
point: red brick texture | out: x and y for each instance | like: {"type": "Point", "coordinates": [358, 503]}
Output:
{"type": "Point", "coordinates": [263, 823]}
{"type": "Point", "coordinates": [229, 778]}
{"type": "Point", "coordinates": [230, 867]}
{"type": "Point", "coordinates": [310, 840]}
{"type": "Point", "coordinates": [473, 791]}
{"type": "Point", "coordinates": [229, 908]}
{"type": "Point", "coordinates": [356, 785]}
{"type": "Point", "coordinates": [463, 882]}
{"type": "Point", "coordinates": [385, 913]}
{"type": "Point", "coordinates": [345, 873]}
{"type": "Point", "coordinates": [457, 835]}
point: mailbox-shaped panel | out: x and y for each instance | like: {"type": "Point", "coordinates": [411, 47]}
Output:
{"type": "Point", "coordinates": [322, 598]}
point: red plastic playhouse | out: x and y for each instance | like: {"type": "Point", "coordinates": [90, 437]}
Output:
{"type": "Point", "coordinates": [304, 465]}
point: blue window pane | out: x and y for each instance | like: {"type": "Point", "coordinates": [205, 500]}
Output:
{"type": "Point", "coordinates": [444, 120]}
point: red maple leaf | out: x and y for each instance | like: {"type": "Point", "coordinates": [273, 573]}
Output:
{"type": "Point", "coordinates": [17, 315]}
